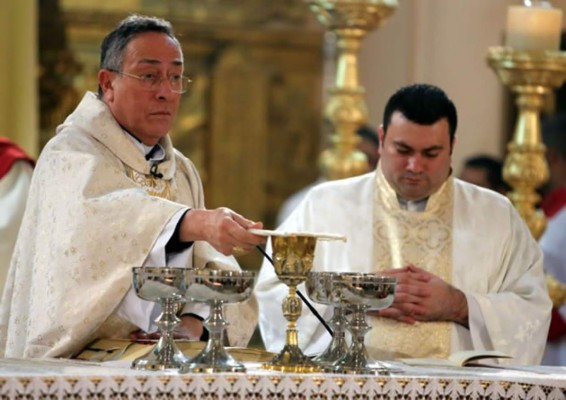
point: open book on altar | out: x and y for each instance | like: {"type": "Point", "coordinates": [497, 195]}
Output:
{"type": "Point", "coordinates": [459, 359]}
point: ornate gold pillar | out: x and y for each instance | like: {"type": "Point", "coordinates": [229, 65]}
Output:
{"type": "Point", "coordinates": [18, 86]}
{"type": "Point", "coordinates": [531, 75]}
{"type": "Point", "coordinates": [346, 109]}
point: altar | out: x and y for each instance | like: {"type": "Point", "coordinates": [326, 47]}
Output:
{"type": "Point", "coordinates": [65, 379]}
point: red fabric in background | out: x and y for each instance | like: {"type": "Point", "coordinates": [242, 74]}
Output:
{"type": "Point", "coordinates": [557, 326]}
{"type": "Point", "coordinates": [553, 202]}
{"type": "Point", "coordinates": [9, 154]}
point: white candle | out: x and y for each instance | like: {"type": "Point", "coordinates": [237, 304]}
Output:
{"type": "Point", "coordinates": [536, 27]}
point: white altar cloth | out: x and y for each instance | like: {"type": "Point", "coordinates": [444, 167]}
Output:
{"type": "Point", "coordinates": [60, 379]}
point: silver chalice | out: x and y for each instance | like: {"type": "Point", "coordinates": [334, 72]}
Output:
{"type": "Point", "coordinates": [359, 293]}
{"type": "Point", "coordinates": [167, 286]}
{"type": "Point", "coordinates": [216, 288]}
{"type": "Point", "coordinates": [320, 286]}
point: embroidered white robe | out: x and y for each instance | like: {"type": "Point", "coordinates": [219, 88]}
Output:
{"type": "Point", "coordinates": [495, 262]}
{"type": "Point", "coordinates": [90, 218]}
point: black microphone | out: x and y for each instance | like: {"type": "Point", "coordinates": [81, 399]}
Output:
{"type": "Point", "coordinates": [153, 171]}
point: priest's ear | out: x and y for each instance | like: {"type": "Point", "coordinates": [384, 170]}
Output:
{"type": "Point", "coordinates": [106, 84]}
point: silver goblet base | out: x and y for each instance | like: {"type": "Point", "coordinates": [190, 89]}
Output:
{"type": "Point", "coordinates": [166, 286]}
{"type": "Point", "coordinates": [360, 292]}
{"type": "Point", "coordinates": [215, 288]}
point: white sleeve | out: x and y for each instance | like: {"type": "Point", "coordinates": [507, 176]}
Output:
{"type": "Point", "coordinates": [140, 312]}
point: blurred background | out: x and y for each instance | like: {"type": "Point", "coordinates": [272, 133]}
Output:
{"type": "Point", "coordinates": [253, 119]}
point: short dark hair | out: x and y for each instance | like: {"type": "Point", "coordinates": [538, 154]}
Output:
{"type": "Point", "coordinates": [423, 104]}
{"type": "Point", "coordinates": [493, 168]}
{"type": "Point", "coordinates": [554, 133]}
{"type": "Point", "coordinates": [113, 45]}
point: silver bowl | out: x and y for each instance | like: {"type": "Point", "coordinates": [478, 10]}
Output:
{"type": "Point", "coordinates": [359, 293]}
{"type": "Point", "coordinates": [166, 286]}
{"type": "Point", "coordinates": [215, 288]}
{"type": "Point", "coordinates": [320, 286]}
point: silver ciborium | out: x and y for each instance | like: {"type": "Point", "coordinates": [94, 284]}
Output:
{"type": "Point", "coordinates": [360, 293]}
{"type": "Point", "coordinates": [216, 288]}
{"type": "Point", "coordinates": [320, 285]}
{"type": "Point", "coordinates": [166, 286]}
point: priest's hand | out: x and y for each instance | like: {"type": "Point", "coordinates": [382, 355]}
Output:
{"type": "Point", "coordinates": [422, 296]}
{"type": "Point", "coordinates": [224, 229]}
{"type": "Point", "coordinates": [190, 328]}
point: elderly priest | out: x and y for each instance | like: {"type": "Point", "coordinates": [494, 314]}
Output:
{"type": "Point", "coordinates": [469, 273]}
{"type": "Point", "coordinates": [110, 192]}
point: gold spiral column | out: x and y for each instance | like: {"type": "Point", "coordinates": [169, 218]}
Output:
{"type": "Point", "coordinates": [350, 20]}
{"type": "Point", "coordinates": [531, 76]}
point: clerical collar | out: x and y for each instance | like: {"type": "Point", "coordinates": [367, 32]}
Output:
{"type": "Point", "coordinates": [151, 153]}
{"type": "Point", "coordinates": [410, 205]}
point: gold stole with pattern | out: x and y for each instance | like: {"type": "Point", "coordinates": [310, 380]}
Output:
{"type": "Point", "coordinates": [423, 239]}
{"type": "Point", "coordinates": [153, 186]}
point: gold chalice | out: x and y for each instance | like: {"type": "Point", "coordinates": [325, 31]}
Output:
{"type": "Point", "coordinates": [293, 255]}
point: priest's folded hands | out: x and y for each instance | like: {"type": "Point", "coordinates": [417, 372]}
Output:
{"type": "Point", "coordinates": [422, 296]}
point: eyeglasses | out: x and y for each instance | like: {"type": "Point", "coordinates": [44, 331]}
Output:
{"type": "Point", "coordinates": [152, 81]}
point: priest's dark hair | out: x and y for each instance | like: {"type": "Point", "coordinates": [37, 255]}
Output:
{"type": "Point", "coordinates": [422, 104]}
{"type": "Point", "coordinates": [113, 45]}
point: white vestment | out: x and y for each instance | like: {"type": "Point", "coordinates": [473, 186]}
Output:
{"type": "Point", "coordinates": [495, 262]}
{"type": "Point", "coordinates": [553, 245]}
{"type": "Point", "coordinates": [93, 213]}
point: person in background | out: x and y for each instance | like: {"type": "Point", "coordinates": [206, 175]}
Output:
{"type": "Point", "coordinates": [368, 144]}
{"type": "Point", "coordinates": [469, 273]}
{"type": "Point", "coordinates": [485, 171]}
{"type": "Point", "coordinates": [553, 240]}
{"type": "Point", "coordinates": [16, 169]}
{"type": "Point", "coordinates": [110, 192]}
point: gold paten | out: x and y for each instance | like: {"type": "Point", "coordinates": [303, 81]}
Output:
{"type": "Point", "coordinates": [292, 258]}
{"type": "Point", "coordinates": [346, 109]}
{"type": "Point", "coordinates": [531, 76]}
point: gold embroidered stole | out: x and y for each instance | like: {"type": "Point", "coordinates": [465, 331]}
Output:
{"type": "Point", "coordinates": [424, 239]}
{"type": "Point", "coordinates": [153, 186]}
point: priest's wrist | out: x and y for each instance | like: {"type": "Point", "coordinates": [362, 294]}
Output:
{"type": "Point", "coordinates": [459, 307]}
{"type": "Point", "coordinates": [195, 325]}
{"type": "Point", "coordinates": [175, 244]}
{"type": "Point", "coordinates": [194, 224]}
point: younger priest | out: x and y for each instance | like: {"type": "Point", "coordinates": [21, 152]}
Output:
{"type": "Point", "coordinates": [469, 274]}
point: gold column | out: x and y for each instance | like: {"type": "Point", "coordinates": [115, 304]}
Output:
{"type": "Point", "coordinates": [18, 72]}
{"type": "Point", "coordinates": [531, 76]}
{"type": "Point", "coordinates": [346, 109]}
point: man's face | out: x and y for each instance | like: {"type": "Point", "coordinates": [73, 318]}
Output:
{"type": "Point", "coordinates": [371, 150]}
{"type": "Point", "coordinates": [415, 159]}
{"type": "Point", "coordinates": [147, 114]}
{"type": "Point", "coordinates": [477, 176]}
